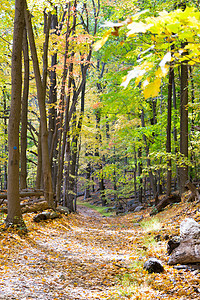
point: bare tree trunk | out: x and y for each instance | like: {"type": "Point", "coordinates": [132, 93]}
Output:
{"type": "Point", "coordinates": [59, 129]}
{"type": "Point", "coordinates": [183, 170]}
{"type": "Point", "coordinates": [151, 177]}
{"type": "Point", "coordinates": [193, 170]}
{"type": "Point", "coordinates": [14, 210]}
{"type": "Point", "coordinates": [41, 93]}
{"type": "Point", "coordinates": [174, 129]}
{"type": "Point", "coordinates": [39, 163]}
{"type": "Point", "coordinates": [24, 120]}
{"type": "Point", "coordinates": [69, 194]}
{"type": "Point", "coordinates": [168, 143]}
{"type": "Point", "coordinates": [6, 145]}
{"type": "Point", "coordinates": [140, 173]}
{"type": "Point", "coordinates": [52, 111]}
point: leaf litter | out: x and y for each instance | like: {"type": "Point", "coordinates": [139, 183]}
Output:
{"type": "Point", "coordinates": [87, 256]}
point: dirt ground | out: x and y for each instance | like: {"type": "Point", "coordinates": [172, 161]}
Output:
{"type": "Point", "coordinates": [77, 257]}
{"type": "Point", "coordinates": [87, 256]}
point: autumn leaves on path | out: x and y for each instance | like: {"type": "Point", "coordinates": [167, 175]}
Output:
{"type": "Point", "coordinates": [86, 256]}
{"type": "Point", "coordinates": [81, 256]}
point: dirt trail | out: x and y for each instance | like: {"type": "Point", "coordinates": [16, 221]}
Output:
{"type": "Point", "coordinates": [77, 257]}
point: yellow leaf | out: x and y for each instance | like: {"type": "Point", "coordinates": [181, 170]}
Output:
{"type": "Point", "coordinates": [138, 28]}
{"type": "Point", "coordinates": [101, 42]}
{"type": "Point", "coordinates": [162, 72]}
{"type": "Point", "coordinates": [152, 89]}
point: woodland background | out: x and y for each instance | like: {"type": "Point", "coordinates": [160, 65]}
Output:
{"type": "Point", "coordinates": [81, 124]}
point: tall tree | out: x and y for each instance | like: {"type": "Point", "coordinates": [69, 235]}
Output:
{"type": "Point", "coordinates": [14, 211]}
{"type": "Point", "coordinates": [24, 116]}
{"type": "Point", "coordinates": [41, 94]}
{"type": "Point", "coordinates": [183, 170]}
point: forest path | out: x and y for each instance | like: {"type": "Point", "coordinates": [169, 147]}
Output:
{"type": "Point", "coordinates": [76, 257]}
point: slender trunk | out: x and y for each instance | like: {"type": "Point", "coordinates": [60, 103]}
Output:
{"type": "Point", "coordinates": [5, 133]}
{"type": "Point", "coordinates": [100, 166]}
{"type": "Point", "coordinates": [39, 163]}
{"type": "Point", "coordinates": [168, 143]}
{"type": "Point", "coordinates": [151, 177]}
{"type": "Point", "coordinates": [52, 110]}
{"type": "Point", "coordinates": [24, 117]}
{"type": "Point", "coordinates": [135, 174]}
{"type": "Point", "coordinates": [59, 132]}
{"type": "Point", "coordinates": [183, 170]}
{"type": "Point", "coordinates": [174, 129]}
{"type": "Point", "coordinates": [193, 171]}
{"type": "Point", "coordinates": [140, 173]}
{"type": "Point", "coordinates": [72, 155]}
{"type": "Point", "coordinates": [41, 93]}
{"type": "Point", "coordinates": [14, 210]}
{"type": "Point", "coordinates": [87, 189]}
{"type": "Point", "coordinates": [98, 137]}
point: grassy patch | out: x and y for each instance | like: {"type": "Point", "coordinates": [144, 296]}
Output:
{"type": "Point", "coordinates": [100, 209]}
{"type": "Point", "coordinates": [151, 225]}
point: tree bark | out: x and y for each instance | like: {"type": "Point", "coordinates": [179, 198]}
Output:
{"type": "Point", "coordinates": [23, 194]}
{"type": "Point", "coordinates": [39, 162]}
{"type": "Point", "coordinates": [41, 93]}
{"type": "Point", "coordinates": [52, 110]}
{"type": "Point", "coordinates": [14, 210]}
{"type": "Point", "coordinates": [151, 177]}
{"type": "Point", "coordinates": [59, 127]}
{"type": "Point", "coordinates": [195, 193]}
{"type": "Point", "coordinates": [24, 119]}
{"type": "Point", "coordinates": [183, 170]}
{"type": "Point", "coordinates": [168, 143]}
{"type": "Point", "coordinates": [175, 129]}
{"type": "Point", "coordinates": [6, 145]}
{"type": "Point", "coordinates": [173, 198]}
{"type": "Point", "coordinates": [140, 174]}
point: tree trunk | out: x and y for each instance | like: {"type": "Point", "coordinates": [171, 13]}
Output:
{"type": "Point", "coordinates": [193, 170]}
{"type": "Point", "coordinates": [14, 210]}
{"type": "Point", "coordinates": [140, 173]}
{"type": "Point", "coordinates": [173, 198]}
{"type": "Point", "coordinates": [174, 129]}
{"type": "Point", "coordinates": [151, 177]}
{"type": "Point", "coordinates": [183, 170]}
{"type": "Point", "coordinates": [39, 163]}
{"type": "Point", "coordinates": [59, 127]}
{"type": "Point", "coordinates": [195, 193]}
{"type": "Point", "coordinates": [168, 143]}
{"type": "Point", "coordinates": [41, 93]}
{"type": "Point", "coordinates": [6, 146]}
{"type": "Point", "coordinates": [24, 121]}
{"type": "Point", "coordinates": [52, 110]}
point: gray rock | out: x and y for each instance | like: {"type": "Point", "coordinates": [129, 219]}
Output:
{"type": "Point", "coordinates": [42, 216]}
{"type": "Point", "coordinates": [189, 229]}
{"type": "Point", "coordinates": [131, 202]}
{"type": "Point", "coordinates": [153, 265]}
{"type": "Point", "coordinates": [45, 215]}
{"type": "Point", "coordinates": [138, 208]}
{"type": "Point", "coordinates": [63, 209]}
{"type": "Point", "coordinates": [54, 215]}
{"type": "Point", "coordinates": [188, 252]}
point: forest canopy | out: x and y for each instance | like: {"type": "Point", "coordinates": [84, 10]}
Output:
{"type": "Point", "coordinates": [107, 99]}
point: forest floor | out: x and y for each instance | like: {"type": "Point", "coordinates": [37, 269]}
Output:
{"type": "Point", "coordinates": [88, 256]}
